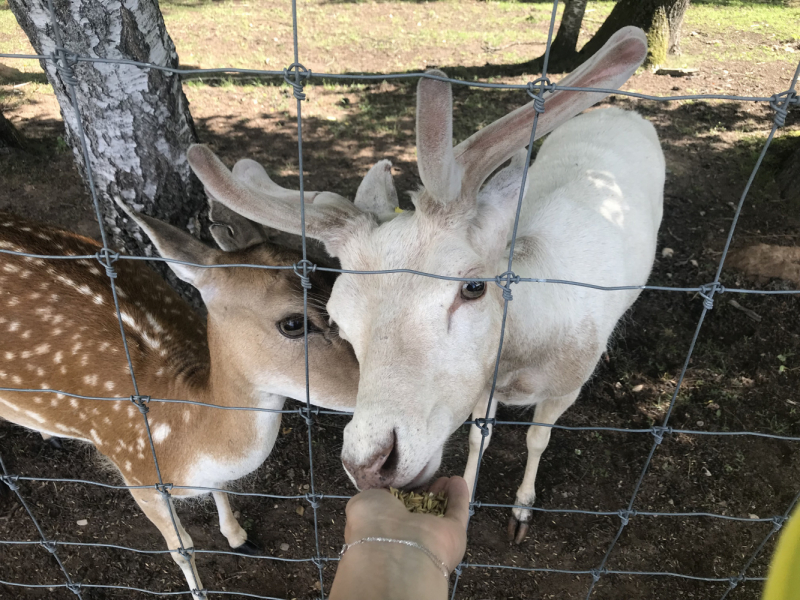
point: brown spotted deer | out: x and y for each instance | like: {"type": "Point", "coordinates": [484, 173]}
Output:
{"type": "Point", "coordinates": [60, 332]}
{"type": "Point", "coordinates": [427, 347]}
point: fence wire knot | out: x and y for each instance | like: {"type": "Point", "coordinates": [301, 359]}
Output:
{"type": "Point", "coordinates": [707, 292]}
{"type": "Point", "coordinates": [458, 570]}
{"type": "Point", "coordinates": [658, 433]}
{"type": "Point", "coordinates": [734, 581]}
{"type": "Point", "coordinates": [625, 515]}
{"type": "Point", "coordinates": [64, 61]}
{"type": "Point", "coordinates": [302, 269]}
{"type": "Point", "coordinates": [504, 282]}
{"type": "Point", "coordinates": [536, 90]}
{"type": "Point", "coordinates": [164, 488]}
{"type": "Point", "coordinates": [314, 500]}
{"type": "Point", "coordinates": [317, 561]}
{"type": "Point", "coordinates": [186, 552]}
{"type": "Point", "coordinates": [483, 424]}
{"type": "Point", "coordinates": [200, 593]}
{"type": "Point", "coordinates": [75, 588]}
{"type": "Point", "coordinates": [777, 523]}
{"type": "Point", "coordinates": [781, 103]}
{"type": "Point", "coordinates": [107, 258]}
{"type": "Point", "coordinates": [473, 506]}
{"type": "Point", "coordinates": [297, 83]}
{"type": "Point", "coordinates": [141, 402]}
{"type": "Point", "coordinates": [308, 414]}
{"type": "Point", "coordinates": [596, 574]}
{"type": "Point", "coordinates": [49, 545]}
{"type": "Point", "coordinates": [10, 481]}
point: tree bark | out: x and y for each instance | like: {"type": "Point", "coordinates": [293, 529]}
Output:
{"type": "Point", "coordinates": [10, 137]}
{"type": "Point", "coordinates": [789, 176]}
{"type": "Point", "coordinates": [565, 45]}
{"type": "Point", "coordinates": [137, 121]}
{"type": "Point", "coordinates": [675, 16]}
{"type": "Point", "coordinates": [660, 19]}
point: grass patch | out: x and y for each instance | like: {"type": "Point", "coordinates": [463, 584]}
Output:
{"type": "Point", "coordinates": [407, 35]}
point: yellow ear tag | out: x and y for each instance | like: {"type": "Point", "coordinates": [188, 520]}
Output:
{"type": "Point", "coordinates": [399, 210]}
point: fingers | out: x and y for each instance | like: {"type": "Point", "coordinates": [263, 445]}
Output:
{"type": "Point", "coordinates": [457, 500]}
{"type": "Point", "coordinates": [439, 485]}
{"type": "Point", "coordinates": [457, 492]}
{"type": "Point", "coordinates": [369, 497]}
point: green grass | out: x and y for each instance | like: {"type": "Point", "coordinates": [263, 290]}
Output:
{"type": "Point", "coordinates": [400, 36]}
{"type": "Point", "coordinates": [13, 41]}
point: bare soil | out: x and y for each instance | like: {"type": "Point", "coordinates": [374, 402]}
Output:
{"type": "Point", "coordinates": [734, 381]}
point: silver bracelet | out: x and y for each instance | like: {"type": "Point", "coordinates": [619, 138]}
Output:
{"type": "Point", "coordinates": [436, 560]}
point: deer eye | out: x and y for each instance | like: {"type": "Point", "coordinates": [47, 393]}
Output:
{"type": "Point", "coordinates": [292, 327]}
{"type": "Point", "coordinates": [472, 290]}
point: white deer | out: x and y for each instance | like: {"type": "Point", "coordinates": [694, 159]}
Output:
{"type": "Point", "coordinates": [427, 347]}
{"type": "Point", "coordinates": [60, 332]}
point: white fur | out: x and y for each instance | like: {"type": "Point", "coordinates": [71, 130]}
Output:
{"type": "Point", "coordinates": [426, 357]}
{"type": "Point", "coordinates": [591, 214]}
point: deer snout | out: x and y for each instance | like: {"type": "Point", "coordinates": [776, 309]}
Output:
{"type": "Point", "coordinates": [377, 471]}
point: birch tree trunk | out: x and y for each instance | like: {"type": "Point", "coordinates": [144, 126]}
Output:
{"type": "Point", "coordinates": [565, 45]}
{"type": "Point", "coordinates": [9, 136]}
{"type": "Point", "coordinates": [137, 122]}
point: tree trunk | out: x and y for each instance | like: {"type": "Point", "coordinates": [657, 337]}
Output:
{"type": "Point", "coordinates": [675, 15]}
{"type": "Point", "coordinates": [660, 19]}
{"type": "Point", "coordinates": [10, 137]}
{"type": "Point", "coordinates": [565, 45]}
{"type": "Point", "coordinates": [789, 177]}
{"type": "Point", "coordinates": [137, 121]}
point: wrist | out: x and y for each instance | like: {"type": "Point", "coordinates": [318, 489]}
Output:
{"type": "Point", "coordinates": [389, 571]}
{"type": "Point", "coordinates": [436, 561]}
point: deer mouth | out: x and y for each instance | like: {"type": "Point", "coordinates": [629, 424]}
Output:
{"type": "Point", "coordinates": [425, 475]}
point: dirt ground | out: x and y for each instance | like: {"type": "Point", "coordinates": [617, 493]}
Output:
{"type": "Point", "coordinates": [743, 376]}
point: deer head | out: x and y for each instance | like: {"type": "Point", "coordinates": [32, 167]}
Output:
{"type": "Point", "coordinates": [426, 347]}
{"type": "Point", "coordinates": [255, 316]}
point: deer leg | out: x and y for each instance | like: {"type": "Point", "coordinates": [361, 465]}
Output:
{"type": "Point", "coordinates": [548, 411]}
{"type": "Point", "coordinates": [157, 509]}
{"type": "Point", "coordinates": [475, 437]}
{"type": "Point", "coordinates": [230, 528]}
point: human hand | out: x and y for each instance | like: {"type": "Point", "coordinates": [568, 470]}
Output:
{"type": "Point", "coordinates": [377, 513]}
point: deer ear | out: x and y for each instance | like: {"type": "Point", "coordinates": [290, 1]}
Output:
{"type": "Point", "coordinates": [231, 230]}
{"type": "Point", "coordinates": [376, 194]}
{"type": "Point", "coordinates": [608, 69]}
{"type": "Point", "coordinates": [440, 173]}
{"type": "Point", "coordinates": [174, 244]}
{"type": "Point", "coordinates": [329, 217]}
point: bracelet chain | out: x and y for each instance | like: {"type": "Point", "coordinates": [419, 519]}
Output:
{"type": "Point", "coordinates": [437, 561]}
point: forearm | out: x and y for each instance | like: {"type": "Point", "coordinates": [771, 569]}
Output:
{"type": "Point", "coordinates": [387, 571]}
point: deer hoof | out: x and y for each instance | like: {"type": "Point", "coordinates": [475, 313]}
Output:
{"type": "Point", "coordinates": [248, 548]}
{"type": "Point", "coordinates": [517, 530]}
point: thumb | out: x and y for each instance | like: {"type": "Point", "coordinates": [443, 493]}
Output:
{"type": "Point", "coordinates": [457, 500]}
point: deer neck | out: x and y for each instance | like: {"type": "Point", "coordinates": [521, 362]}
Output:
{"type": "Point", "coordinates": [231, 381]}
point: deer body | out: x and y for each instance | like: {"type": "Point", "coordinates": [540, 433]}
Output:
{"type": "Point", "coordinates": [427, 347]}
{"type": "Point", "coordinates": [60, 332]}
{"type": "Point", "coordinates": [590, 214]}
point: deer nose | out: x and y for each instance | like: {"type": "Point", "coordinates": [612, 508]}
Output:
{"type": "Point", "coordinates": [379, 470]}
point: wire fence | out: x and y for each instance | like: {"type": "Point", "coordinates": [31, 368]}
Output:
{"type": "Point", "coordinates": [296, 75]}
